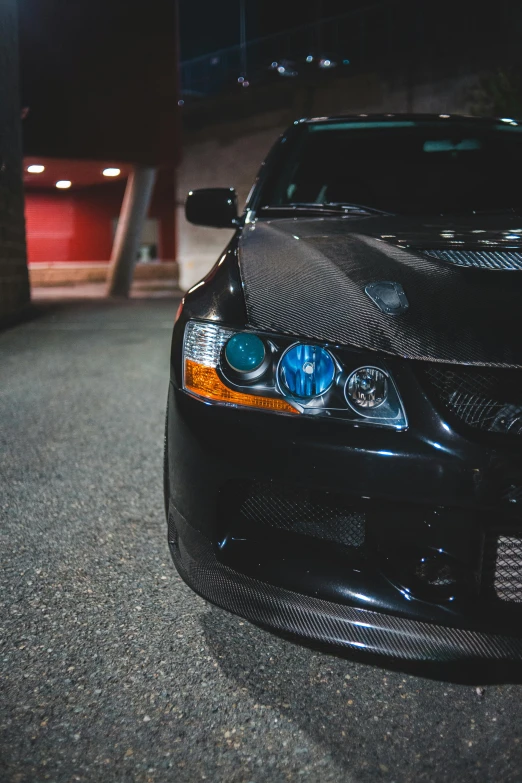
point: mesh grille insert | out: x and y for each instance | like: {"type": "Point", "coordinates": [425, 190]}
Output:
{"type": "Point", "coordinates": [481, 397]}
{"type": "Point", "coordinates": [310, 513]}
{"type": "Point", "coordinates": [503, 567]}
{"type": "Point", "coordinates": [481, 259]}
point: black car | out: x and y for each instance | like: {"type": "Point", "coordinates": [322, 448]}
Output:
{"type": "Point", "coordinates": [344, 428]}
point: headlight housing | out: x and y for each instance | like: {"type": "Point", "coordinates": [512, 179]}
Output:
{"type": "Point", "coordinates": [276, 373]}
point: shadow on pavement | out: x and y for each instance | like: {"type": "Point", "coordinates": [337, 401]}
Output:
{"type": "Point", "coordinates": [380, 714]}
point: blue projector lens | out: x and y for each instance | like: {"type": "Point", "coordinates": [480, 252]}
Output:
{"type": "Point", "coordinates": [245, 352]}
{"type": "Point", "coordinates": [306, 371]}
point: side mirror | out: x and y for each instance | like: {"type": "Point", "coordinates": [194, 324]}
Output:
{"type": "Point", "coordinates": [216, 207]}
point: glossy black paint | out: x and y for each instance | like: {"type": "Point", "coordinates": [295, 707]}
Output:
{"type": "Point", "coordinates": [431, 492]}
{"type": "Point", "coordinates": [216, 207]}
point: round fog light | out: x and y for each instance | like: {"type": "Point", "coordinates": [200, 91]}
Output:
{"type": "Point", "coordinates": [245, 352]}
{"type": "Point", "coordinates": [367, 387]}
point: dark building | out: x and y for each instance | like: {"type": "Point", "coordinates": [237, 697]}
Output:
{"type": "Point", "coordinates": [14, 284]}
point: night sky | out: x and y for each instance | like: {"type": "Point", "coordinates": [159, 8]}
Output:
{"type": "Point", "coordinates": [207, 25]}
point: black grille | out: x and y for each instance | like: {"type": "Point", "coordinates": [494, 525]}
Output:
{"type": "Point", "coordinates": [486, 399]}
{"type": "Point", "coordinates": [503, 567]}
{"type": "Point", "coordinates": [310, 513]}
{"type": "Point", "coordinates": [481, 259]}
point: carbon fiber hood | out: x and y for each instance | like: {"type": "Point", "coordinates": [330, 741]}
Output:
{"type": "Point", "coordinates": [307, 277]}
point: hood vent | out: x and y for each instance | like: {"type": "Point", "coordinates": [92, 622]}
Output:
{"type": "Point", "coordinates": [481, 259]}
{"type": "Point", "coordinates": [388, 296]}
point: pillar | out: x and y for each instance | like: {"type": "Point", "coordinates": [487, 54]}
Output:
{"type": "Point", "coordinates": [134, 210]}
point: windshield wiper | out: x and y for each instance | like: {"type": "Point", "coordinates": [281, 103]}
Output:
{"type": "Point", "coordinates": [325, 208]}
{"type": "Point", "coordinates": [356, 208]}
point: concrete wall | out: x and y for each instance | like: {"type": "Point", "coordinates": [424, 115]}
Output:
{"type": "Point", "coordinates": [14, 281]}
{"type": "Point", "coordinates": [218, 161]}
{"type": "Point", "coordinates": [225, 144]}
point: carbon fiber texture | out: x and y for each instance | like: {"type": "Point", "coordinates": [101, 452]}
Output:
{"type": "Point", "coordinates": [481, 259]}
{"type": "Point", "coordinates": [307, 278]}
{"type": "Point", "coordinates": [316, 619]}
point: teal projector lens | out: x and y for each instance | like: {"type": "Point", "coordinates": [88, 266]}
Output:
{"type": "Point", "coordinates": [245, 352]}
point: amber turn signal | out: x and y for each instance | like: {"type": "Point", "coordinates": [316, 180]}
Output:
{"type": "Point", "coordinates": [205, 382]}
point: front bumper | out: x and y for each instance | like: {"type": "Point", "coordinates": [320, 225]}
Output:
{"type": "Point", "coordinates": [316, 619]}
{"type": "Point", "coordinates": [421, 497]}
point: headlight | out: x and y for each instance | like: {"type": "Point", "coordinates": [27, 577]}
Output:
{"type": "Point", "coordinates": [245, 352]}
{"type": "Point", "coordinates": [203, 375]}
{"type": "Point", "coordinates": [367, 387]}
{"type": "Point", "coordinates": [274, 373]}
{"type": "Point", "coordinates": [246, 355]}
{"type": "Point", "coordinates": [306, 371]}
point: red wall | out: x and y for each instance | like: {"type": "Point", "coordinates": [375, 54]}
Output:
{"type": "Point", "coordinates": [71, 226]}
{"type": "Point", "coordinates": [78, 225]}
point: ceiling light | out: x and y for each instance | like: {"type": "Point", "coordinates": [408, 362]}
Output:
{"type": "Point", "coordinates": [36, 168]}
{"type": "Point", "coordinates": [110, 172]}
{"type": "Point", "coordinates": [63, 184]}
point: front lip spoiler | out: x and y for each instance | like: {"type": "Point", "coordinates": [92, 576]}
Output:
{"type": "Point", "coordinates": [324, 621]}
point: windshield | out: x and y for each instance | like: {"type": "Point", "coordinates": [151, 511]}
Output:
{"type": "Point", "coordinates": [402, 167]}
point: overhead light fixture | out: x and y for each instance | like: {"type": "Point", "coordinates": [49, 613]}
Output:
{"type": "Point", "coordinates": [36, 168]}
{"type": "Point", "coordinates": [111, 172]}
{"type": "Point", "coordinates": [63, 184]}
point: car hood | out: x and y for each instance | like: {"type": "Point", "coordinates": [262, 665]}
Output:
{"type": "Point", "coordinates": [307, 277]}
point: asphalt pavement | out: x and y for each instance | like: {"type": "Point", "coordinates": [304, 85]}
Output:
{"type": "Point", "coordinates": [112, 669]}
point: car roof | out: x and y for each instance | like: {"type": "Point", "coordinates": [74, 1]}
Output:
{"type": "Point", "coordinates": [391, 118]}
